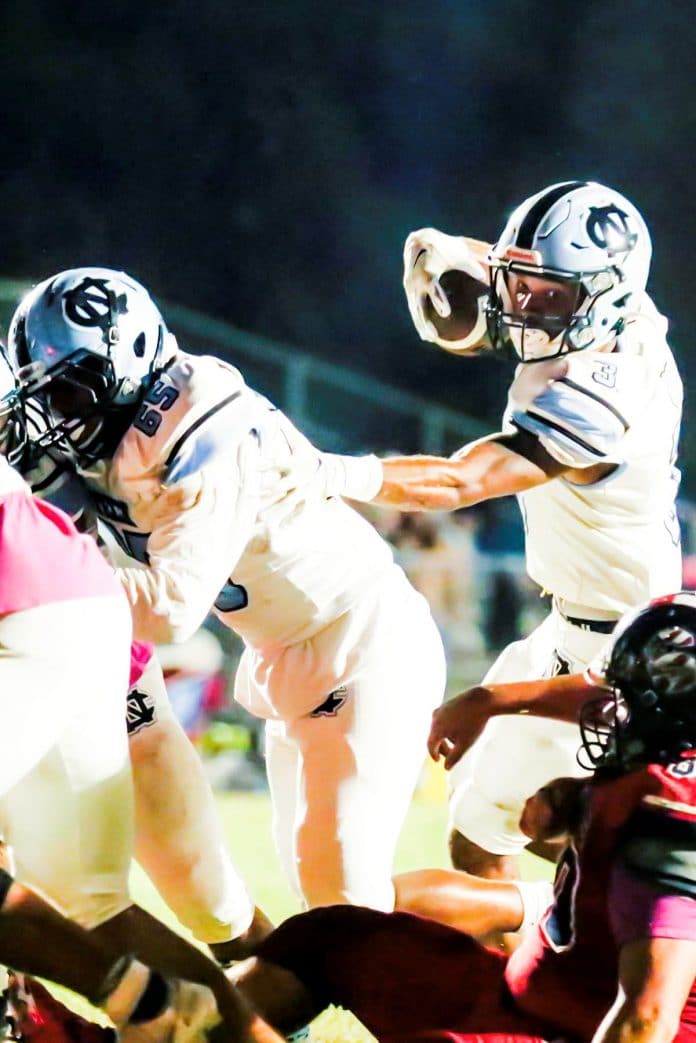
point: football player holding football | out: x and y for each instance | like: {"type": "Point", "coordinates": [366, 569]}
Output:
{"type": "Point", "coordinates": [588, 445]}
{"type": "Point", "coordinates": [213, 500]}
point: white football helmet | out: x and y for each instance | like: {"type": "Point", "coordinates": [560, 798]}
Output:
{"type": "Point", "coordinates": [579, 233]}
{"type": "Point", "coordinates": [13, 428]}
{"type": "Point", "coordinates": [86, 343]}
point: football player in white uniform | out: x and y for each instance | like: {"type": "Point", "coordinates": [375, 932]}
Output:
{"type": "Point", "coordinates": [179, 840]}
{"type": "Point", "coordinates": [218, 502]}
{"type": "Point", "coordinates": [588, 445]}
{"type": "Point", "coordinates": [66, 807]}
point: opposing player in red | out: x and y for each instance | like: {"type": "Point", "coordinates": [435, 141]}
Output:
{"type": "Point", "coordinates": [615, 956]}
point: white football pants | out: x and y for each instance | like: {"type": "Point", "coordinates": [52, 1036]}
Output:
{"type": "Point", "coordinates": [517, 754]}
{"type": "Point", "coordinates": [65, 784]}
{"type": "Point", "coordinates": [179, 840]}
{"type": "Point", "coordinates": [342, 777]}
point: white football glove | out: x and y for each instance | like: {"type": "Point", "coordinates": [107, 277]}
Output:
{"type": "Point", "coordinates": [427, 255]}
{"type": "Point", "coordinates": [190, 1011]}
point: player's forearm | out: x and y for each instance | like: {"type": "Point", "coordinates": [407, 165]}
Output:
{"type": "Point", "coordinates": [560, 698]}
{"type": "Point", "coordinates": [628, 1025]}
{"type": "Point", "coordinates": [459, 722]}
{"type": "Point", "coordinates": [482, 471]}
{"type": "Point", "coordinates": [36, 939]}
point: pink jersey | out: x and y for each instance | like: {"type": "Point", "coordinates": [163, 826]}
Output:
{"type": "Point", "coordinates": [43, 558]}
{"type": "Point", "coordinates": [141, 654]}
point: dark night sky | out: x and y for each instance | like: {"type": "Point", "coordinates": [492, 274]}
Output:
{"type": "Point", "coordinates": [264, 162]}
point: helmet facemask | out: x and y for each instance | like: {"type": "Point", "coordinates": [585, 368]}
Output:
{"type": "Point", "coordinates": [649, 713]}
{"type": "Point", "coordinates": [72, 406]}
{"type": "Point", "coordinates": [89, 343]}
{"type": "Point", "coordinates": [541, 334]}
{"type": "Point", "coordinates": [13, 427]}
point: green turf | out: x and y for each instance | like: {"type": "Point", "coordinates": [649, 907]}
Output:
{"type": "Point", "coordinates": [247, 822]}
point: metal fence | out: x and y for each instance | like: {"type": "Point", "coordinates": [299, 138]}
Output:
{"type": "Point", "coordinates": [337, 407]}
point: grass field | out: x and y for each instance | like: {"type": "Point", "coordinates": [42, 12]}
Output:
{"type": "Point", "coordinates": [246, 818]}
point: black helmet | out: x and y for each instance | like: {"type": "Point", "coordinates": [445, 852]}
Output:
{"type": "Point", "coordinates": [649, 716]}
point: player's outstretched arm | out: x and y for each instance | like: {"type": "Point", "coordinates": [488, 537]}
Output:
{"type": "Point", "coordinates": [458, 723]}
{"type": "Point", "coordinates": [36, 939]}
{"type": "Point", "coordinates": [655, 978]}
{"type": "Point", "coordinates": [500, 465]}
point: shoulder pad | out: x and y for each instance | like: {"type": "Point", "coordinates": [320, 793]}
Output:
{"type": "Point", "coordinates": [198, 409]}
{"type": "Point", "coordinates": [581, 406]}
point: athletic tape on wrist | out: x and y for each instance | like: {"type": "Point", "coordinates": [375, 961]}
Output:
{"type": "Point", "coordinates": [537, 896]}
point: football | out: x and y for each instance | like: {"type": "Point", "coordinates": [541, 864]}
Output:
{"type": "Point", "coordinates": [463, 293]}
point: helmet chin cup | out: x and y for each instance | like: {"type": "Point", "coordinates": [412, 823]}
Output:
{"type": "Point", "coordinates": [533, 344]}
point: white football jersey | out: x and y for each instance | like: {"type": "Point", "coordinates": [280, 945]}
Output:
{"type": "Point", "coordinates": [220, 496]}
{"type": "Point", "coordinates": [614, 543]}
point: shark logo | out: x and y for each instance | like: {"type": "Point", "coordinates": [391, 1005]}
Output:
{"type": "Point", "coordinates": [332, 704]}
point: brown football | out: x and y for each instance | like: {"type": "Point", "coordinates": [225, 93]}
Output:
{"type": "Point", "coordinates": [463, 292]}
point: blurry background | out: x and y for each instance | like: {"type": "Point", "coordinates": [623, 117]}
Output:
{"type": "Point", "coordinates": [258, 167]}
{"type": "Point", "coordinates": [262, 163]}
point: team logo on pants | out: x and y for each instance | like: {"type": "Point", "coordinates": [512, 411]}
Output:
{"type": "Point", "coordinates": [140, 711]}
{"type": "Point", "coordinates": [332, 704]}
{"type": "Point", "coordinates": [559, 665]}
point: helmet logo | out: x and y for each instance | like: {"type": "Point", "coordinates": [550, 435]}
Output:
{"type": "Point", "coordinates": [94, 305]}
{"type": "Point", "coordinates": [608, 228]}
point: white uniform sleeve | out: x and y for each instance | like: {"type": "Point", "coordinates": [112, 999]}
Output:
{"type": "Point", "coordinates": [199, 528]}
{"type": "Point", "coordinates": [193, 487]}
{"type": "Point", "coordinates": [580, 408]}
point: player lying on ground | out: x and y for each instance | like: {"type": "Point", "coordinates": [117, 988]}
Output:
{"type": "Point", "coordinates": [615, 957]}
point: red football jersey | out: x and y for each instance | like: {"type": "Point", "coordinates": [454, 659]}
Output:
{"type": "Point", "coordinates": [566, 970]}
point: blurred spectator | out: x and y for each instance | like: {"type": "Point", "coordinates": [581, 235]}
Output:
{"type": "Point", "coordinates": [436, 552]}
{"type": "Point", "coordinates": [195, 678]}
{"type": "Point", "coordinates": [499, 541]}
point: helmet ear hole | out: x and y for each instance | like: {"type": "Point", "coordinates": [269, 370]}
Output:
{"type": "Point", "coordinates": [139, 345]}
{"type": "Point", "coordinates": [20, 343]}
